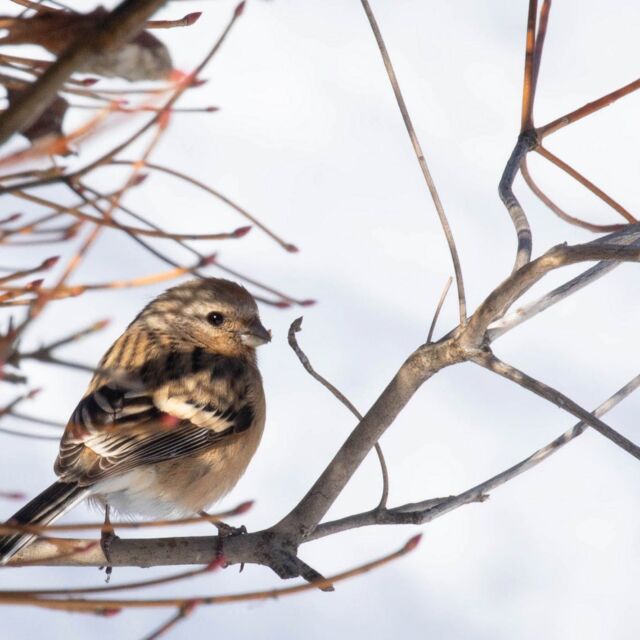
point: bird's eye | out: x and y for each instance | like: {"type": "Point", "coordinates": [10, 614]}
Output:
{"type": "Point", "coordinates": [215, 318]}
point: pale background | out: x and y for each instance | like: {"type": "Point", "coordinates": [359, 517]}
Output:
{"type": "Point", "coordinates": [309, 139]}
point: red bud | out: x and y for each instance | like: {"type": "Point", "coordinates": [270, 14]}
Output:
{"type": "Point", "coordinates": [163, 118]}
{"type": "Point", "coordinates": [282, 304]}
{"type": "Point", "coordinates": [139, 178]}
{"type": "Point", "coordinates": [49, 262]}
{"type": "Point", "coordinates": [307, 303]}
{"type": "Point", "coordinates": [192, 18]}
{"type": "Point", "coordinates": [239, 9]}
{"type": "Point", "coordinates": [207, 260]}
{"type": "Point", "coordinates": [108, 613]}
{"type": "Point", "coordinates": [241, 231]}
{"type": "Point", "coordinates": [412, 543]}
{"type": "Point", "coordinates": [13, 495]}
{"type": "Point", "coordinates": [190, 605]}
{"type": "Point", "coordinates": [244, 507]}
{"type": "Point", "coordinates": [291, 248]}
{"type": "Point", "coordinates": [35, 284]}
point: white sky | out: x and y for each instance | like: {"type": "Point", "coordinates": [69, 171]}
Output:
{"type": "Point", "coordinates": [310, 140]}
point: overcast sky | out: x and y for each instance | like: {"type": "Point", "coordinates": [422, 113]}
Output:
{"type": "Point", "coordinates": [310, 140]}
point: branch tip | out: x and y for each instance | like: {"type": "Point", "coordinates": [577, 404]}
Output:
{"type": "Point", "coordinates": [49, 262]}
{"type": "Point", "coordinates": [243, 507]}
{"type": "Point", "coordinates": [192, 18]}
{"type": "Point", "coordinates": [412, 543]}
{"type": "Point", "coordinates": [296, 325]}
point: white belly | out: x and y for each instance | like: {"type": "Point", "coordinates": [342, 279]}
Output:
{"type": "Point", "coordinates": [137, 493]}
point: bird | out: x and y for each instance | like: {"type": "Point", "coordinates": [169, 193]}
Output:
{"type": "Point", "coordinates": [171, 418]}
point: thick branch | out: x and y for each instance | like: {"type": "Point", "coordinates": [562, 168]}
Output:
{"type": "Point", "coordinates": [191, 550]}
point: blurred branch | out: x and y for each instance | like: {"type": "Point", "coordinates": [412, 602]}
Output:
{"type": "Point", "coordinates": [117, 27]}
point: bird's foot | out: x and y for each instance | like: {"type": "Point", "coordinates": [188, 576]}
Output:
{"type": "Point", "coordinates": [225, 531]}
{"type": "Point", "coordinates": [107, 536]}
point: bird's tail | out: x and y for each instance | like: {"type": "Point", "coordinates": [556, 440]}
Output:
{"type": "Point", "coordinates": [44, 509]}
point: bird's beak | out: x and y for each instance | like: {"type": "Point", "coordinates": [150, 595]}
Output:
{"type": "Point", "coordinates": [256, 334]}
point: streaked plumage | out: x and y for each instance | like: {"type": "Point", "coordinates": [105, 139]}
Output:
{"type": "Point", "coordinates": [172, 416]}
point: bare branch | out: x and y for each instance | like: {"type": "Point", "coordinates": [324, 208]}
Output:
{"type": "Point", "coordinates": [526, 142]}
{"type": "Point", "coordinates": [295, 327]}
{"type": "Point", "coordinates": [117, 27]}
{"type": "Point", "coordinates": [417, 369]}
{"type": "Point", "coordinates": [563, 215]}
{"type": "Point", "coordinates": [629, 236]}
{"type": "Point", "coordinates": [436, 313]}
{"type": "Point", "coordinates": [545, 153]}
{"type": "Point", "coordinates": [588, 109]}
{"type": "Point", "coordinates": [427, 511]}
{"type": "Point", "coordinates": [462, 304]}
{"type": "Point", "coordinates": [489, 361]}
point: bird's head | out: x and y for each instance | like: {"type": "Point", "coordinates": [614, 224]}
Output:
{"type": "Point", "coordinates": [215, 314]}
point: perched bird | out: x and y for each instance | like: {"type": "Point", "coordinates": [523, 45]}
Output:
{"type": "Point", "coordinates": [172, 416]}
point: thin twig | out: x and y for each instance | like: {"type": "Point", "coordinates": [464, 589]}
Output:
{"type": "Point", "coordinates": [537, 54]}
{"type": "Point", "coordinates": [462, 304]}
{"type": "Point", "coordinates": [443, 297]}
{"type": "Point", "coordinates": [563, 215]}
{"type": "Point", "coordinates": [529, 81]}
{"type": "Point", "coordinates": [201, 185]}
{"type": "Point", "coordinates": [491, 362]}
{"type": "Point", "coordinates": [545, 153]}
{"type": "Point", "coordinates": [295, 327]}
{"type": "Point", "coordinates": [587, 109]}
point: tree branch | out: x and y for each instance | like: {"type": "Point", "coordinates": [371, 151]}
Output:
{"type": "Point", "coordinates": [117, 27]}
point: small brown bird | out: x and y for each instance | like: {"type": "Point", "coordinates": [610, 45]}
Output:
{"type": "Point", "coordinates": [172, 416]}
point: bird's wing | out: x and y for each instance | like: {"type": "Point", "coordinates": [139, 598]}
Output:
{"type": "Point", "coordinates": [118, 427]}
